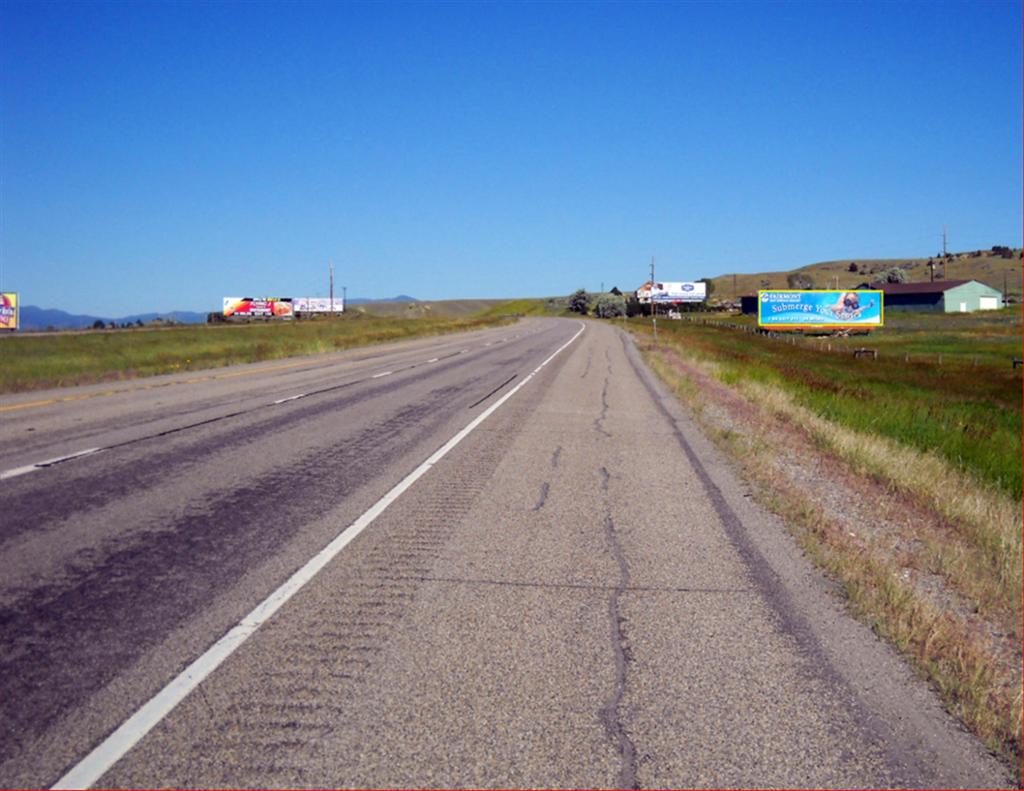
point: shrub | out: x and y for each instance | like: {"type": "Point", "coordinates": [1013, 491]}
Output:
{"type": "Point", "coordinates": [579, 302]}
{"type": "Point", "coordinates": [610, 306]}
{"type": "Point", "coordinates": [800, 280]}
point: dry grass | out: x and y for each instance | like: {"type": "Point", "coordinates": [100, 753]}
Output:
{"type": "Point", "coordinates": [942, 583]}
{"type": "Point", "coordinates": [33, 362]}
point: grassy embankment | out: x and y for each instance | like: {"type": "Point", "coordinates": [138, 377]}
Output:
{"type": "Point", "coordinates": [943, 581]}
{"type": "Point", "coordinates": [61, 359]}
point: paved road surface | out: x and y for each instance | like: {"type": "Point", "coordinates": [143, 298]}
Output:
{"type": "Point", "coordinates": [579, 593]}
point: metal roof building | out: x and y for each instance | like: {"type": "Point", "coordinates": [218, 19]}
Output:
{"type": "Point", "coordinates": [941, 296]}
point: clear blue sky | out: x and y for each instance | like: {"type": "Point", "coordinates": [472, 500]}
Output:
{"type": "Point", "coordinates": [160, 155]}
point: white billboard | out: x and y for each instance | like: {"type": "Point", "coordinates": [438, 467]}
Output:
{"type": "Point", "coordinates": [675, 292]}
{"type": "Point", "coordinates": [318, 305]}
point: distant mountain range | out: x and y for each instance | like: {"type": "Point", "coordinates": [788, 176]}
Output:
{"type": "Point", "coordinates": [36, 318]}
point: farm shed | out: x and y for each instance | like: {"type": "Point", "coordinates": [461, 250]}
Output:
{"type": "Point", "coordinates": [941, 296]}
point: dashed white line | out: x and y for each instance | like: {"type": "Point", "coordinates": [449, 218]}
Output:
{"type": "Point", "coordinates": [382, 373]}
{"type": "Point", "coordinates": [432, 360]}
{"type": "Point", "coordinates": [113, 748]}
{"type": "Point", "coordinates": [18, 471]}
{"type": "Point", "coordinates": [291, 398]}
{"type": "Point", "coordinates": [48, 463]}
{"type": "Point", "coordinates": [464, 351]}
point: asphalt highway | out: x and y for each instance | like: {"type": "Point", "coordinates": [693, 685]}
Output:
{"type": "Point", "coordinates": [538, 574]}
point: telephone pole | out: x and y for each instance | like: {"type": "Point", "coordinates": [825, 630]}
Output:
{"type": "Point", "coordinates": [331, 303]}
{"type": "Point", "coordinates": [654, 317]}
{"type": "Point", "coordinates": [943, 240]}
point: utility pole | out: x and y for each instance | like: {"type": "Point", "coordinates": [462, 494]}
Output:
{"type": "Point", "coordinates": [943, 240]}
{"type": "Point", "coordinates": [735, 291]}
{"type": "Point", "coordinates": [344, 298]}
{"type": "Point", "coordinates": [654, 318]}
{"type": "Point", "coordinates": [331, 303]}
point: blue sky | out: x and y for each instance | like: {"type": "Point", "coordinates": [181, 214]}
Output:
{"type": "Point", "coordinates": [160, 156]}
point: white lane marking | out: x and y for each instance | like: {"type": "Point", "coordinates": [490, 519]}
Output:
{"type": "Point", "coordinates": [487, 344]}
{"type": "Point", "coordinates": [48, 463]}
{"type": "Point", "coordinates": [113, 748]}
{"type": "Point", "coordinates": [464, 351]}
{"type": "Point", "coordinates": [291, 398]}
{"type": "Point", "coordinates": [383, 373]}
{"type": "Point", "coordinates": [432, 360]}
{"type": "Point", "coordinates": [18, 471]}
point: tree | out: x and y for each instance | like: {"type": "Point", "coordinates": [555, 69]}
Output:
{"type": "Point", "coordinates": [634, 306]}
{"type": "Point", "coordinates": [98, 324]}
{"type": "Point", "coordinates": [895, 275]}
{"type": "Point", "coordinates": [610, 306]}
{"type": "Point", "coordinates": [615, 291]}
{"type": "Point", "coordinates": [852, 267]}
{"type": "Point", "coordinates": [800, 280]}
{"type": "Point", "coordinates": [579, 302]}
{"type": "Point", "coordinates": [709, 285]}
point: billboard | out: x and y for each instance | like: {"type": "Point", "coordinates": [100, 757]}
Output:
{"type": "Point", "coordinates": [10, 314]}
{"type": "Point", "coordinates": [263, 307]}
{"type": "Point", "coordinates": [675, 292]}
{"type": "Point", "coordinates": [798, 308]}
{"type": "Point", "coordinates": [317, 305]}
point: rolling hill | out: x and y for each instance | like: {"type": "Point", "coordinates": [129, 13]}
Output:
{"type": "Point", "coordinates": [987, 267]}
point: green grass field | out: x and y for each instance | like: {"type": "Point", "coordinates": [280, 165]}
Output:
{"type": "Point", "coordinates": [33, 362]}
{"type": "Point", "coordinates": [968, 409]}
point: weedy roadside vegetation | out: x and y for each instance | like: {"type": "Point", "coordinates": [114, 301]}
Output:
{"type": "Point", "coordinates": [902, 480]}
{"type": "Point", "coordinates": [33, 362]}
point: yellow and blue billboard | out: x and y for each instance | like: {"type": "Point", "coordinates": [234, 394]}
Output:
{"type": "Point", "coordinates": [810, 308]}
{"type": "Point", "coordinates": [9, 313]}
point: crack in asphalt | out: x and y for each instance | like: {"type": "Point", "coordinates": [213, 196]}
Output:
{"type": "Point", "coordinates": [544, 489]}
{"type": "Point", "coordinates": [555, 457]}
{"type": "Point", "coordinates": [906, 767]}
{"type": "Point", "coordinates": [586, 369]}
{"type": "Point", "coordinates": [611, 715]}
{"type": "Point", "coordinates": [495, 390]}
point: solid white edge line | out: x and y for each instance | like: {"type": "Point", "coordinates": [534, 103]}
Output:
{"type": "Point", "coordinates": [94, 765]}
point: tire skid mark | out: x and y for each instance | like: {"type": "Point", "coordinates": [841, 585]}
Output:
{"type": "Point", "coordinates": [337, 644]}
{"type": "Point", "coordinates": [54, 630]}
